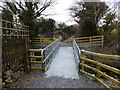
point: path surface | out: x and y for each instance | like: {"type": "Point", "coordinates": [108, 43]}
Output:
{"type": "Point", "coordinates": [63, 64]}
{"type": "Point", "coordinates": [37, 79]}
{"type": "Point", "coordinates": [66, 79]}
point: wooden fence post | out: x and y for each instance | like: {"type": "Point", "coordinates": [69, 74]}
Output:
{"type": "Point", "coordinates": [102, 40]}
{"type": "Point", "coordinates": [43, 57]}
{"type": "Point", "coordinates": [90, 41]}
{"type": "Point", "coordinates": [26, 56]}
{"type": "Point", "coordinates": [97, 67]}
{"type": "Point", "coordinates": [82, 62]}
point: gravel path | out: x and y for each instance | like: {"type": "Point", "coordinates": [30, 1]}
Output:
{"type": "Point", "coordinates": [37, 79]}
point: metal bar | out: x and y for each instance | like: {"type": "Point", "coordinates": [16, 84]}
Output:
{"type": "Point", "coordinates": [50, 51]}
{"type": "Point", "coordinates": [77, 53]}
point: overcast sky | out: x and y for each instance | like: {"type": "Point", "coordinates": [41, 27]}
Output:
{"type": "Point", "coordinates": [62, 13]}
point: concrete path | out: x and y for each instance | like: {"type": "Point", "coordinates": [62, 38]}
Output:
{"type": "Point", "coordinates": [63, 64]}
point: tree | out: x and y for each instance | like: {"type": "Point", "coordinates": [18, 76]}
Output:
{"type": "Point", "coordinates": [87, 15]}
{"type": "Point", "coordinates": [7, 15]}
{"type": "Point", "coordinates": [28, 12]}
{"type": "Point", "coordinates": [109, 23]}
{"type": "Point", "coordinates": [66, 30]}
{"type": "Point", "coordinates": [47, 26]}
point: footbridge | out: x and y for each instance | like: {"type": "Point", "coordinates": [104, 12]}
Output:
{"type": "Point", "coordinates": [70, 61]}
{"type": "Point", "coordinates": [65, 65]}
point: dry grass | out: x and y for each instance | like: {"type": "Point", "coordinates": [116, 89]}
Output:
{"type": "Point", "coordinates": [69, 40]}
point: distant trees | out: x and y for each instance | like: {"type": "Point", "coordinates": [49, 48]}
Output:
{"type": "Point", "coordinates": [47, 26]}
{"type": "Point", "coordinates": [87, 15]}
{"type": "Point", "coordinates": [66, 30]}
{"type": "Point", "coordinates": [29, 12]}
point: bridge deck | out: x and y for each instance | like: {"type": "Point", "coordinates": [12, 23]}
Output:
{"type": "Point", "coordinates": [63, 64]}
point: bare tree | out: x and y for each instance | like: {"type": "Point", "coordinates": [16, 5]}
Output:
{"type": "Point", "coordinates": [87, 15]}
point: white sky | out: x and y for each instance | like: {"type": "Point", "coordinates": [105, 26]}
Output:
{"type": "Point", "coordinates": [62, 13]}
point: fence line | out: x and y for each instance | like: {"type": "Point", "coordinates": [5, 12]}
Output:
{"type": "Point", "coordinates": [42, 42]}
{"type": "Point", "coordinates": [14, 48]}
{"type": "Point", "coordinates": [86, 64]}
{"type": "Point", "coordinates": [13, 29]}
{"type": "Point", "coordinates": [93, 40]}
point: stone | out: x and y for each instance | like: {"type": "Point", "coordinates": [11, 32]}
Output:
{"type": "Point", "coordinates": [21, 69]}
{"type": "Point", "coordinates": [8, 85]}
{"type": "Point", "coordinates": [17, 67]}
{"type": "Point", "coordinates": [22, 73]}
{"type": "Point", "coordinates": [3, 69]}
{"type": "Point", "coordinates": [3, 84]}
{"type": "Point", "coordinates": [7, 73]}
{"type": "Point", "coordinates": [0, 74]}
{"type": "Point", "coordinates": [7, 68]}
{"type": "Point", "coordinates": [16, 75]}
{"type": "Point", "coordinates": [0, 82]}
{"type": "Point", "coordinates": [21, 65]}
{"type": "Point", "coordinates": [9, 80]}
{"type": "Point", "coordinates": [12, 67]}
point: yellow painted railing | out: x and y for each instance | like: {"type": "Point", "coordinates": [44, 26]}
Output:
{"type": "Point", "coordinates": [10, 29]}
{"type": "Point", "coordinates": [97, 65]}
{"type": "Point", "coordinates": [42, 57]}
{"type": "Point", "coordinates": [32, 59]}
{"type": "Point", "coordinates": [42, 41]}
{"type": "Point", "coordinates": [93, 40]}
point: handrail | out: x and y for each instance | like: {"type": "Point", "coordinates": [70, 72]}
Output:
{"type": "Point", "coordinates": [77, 53]}
{"type": "Point", "coordinates": [50, 52]}
{"type": "Point", "coordinates": [51, 44]}
{"type": "Point", "coordinates": [35, 50]}
{"type": "Point", "coordinates": [98, 65]}
{"type": "Point", "coordinates": [114, 57]}
{"type": "Point", "coordinates": [88, 37]}
{"type": "Point", "coordinates": [46, 56]}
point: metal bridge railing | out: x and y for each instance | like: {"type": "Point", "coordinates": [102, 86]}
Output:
{"type": "Point", "coordinates": [77, 53]}
{"type": "Point", "coordinates": [45, 56]}
{"type": "Point", "coordinates": [50, 52]}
